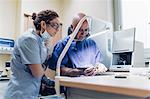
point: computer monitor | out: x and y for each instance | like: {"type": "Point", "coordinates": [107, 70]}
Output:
{"type": "Point", "coordinates": [123, 41]}
{"type": "Point", "coordinates": [126, 52]}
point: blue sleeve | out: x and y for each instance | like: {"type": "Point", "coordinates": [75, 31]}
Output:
{"type": "Point", "coordinates": [52, 62]}
{"type": "Point", "coordinates": [29, 51]}
{"type": "Point", "coordinates": [98, 54]}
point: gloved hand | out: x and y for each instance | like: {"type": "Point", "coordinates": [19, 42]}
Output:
{"type": "Point", "coordinates": [100, 68]}
{"type": "Point", "coordinates": [47, 81]}
{"type": "Point", "coordinates": [90, 70]}
{"type": "Point", "coordinates": [94, 70]}
{"type": "Point", "coordinates": [47, 86]}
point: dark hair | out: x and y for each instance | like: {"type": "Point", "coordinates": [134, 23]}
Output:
{"type": "Point", "coordinates": [45, 15]}
{"type": "Point", "coordinates": [70, 29]}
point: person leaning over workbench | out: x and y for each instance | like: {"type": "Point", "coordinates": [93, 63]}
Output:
{"type": "Point", "coordinates": [29, 53]}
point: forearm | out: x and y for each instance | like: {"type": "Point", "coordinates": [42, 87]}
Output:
{"type": "Point", "coordinates": [65, 71]}
{"type": "Point", "coordinates": [37, 70]}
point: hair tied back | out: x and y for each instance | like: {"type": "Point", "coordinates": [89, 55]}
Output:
{"type": "Point", "coordinates": [34, 16]}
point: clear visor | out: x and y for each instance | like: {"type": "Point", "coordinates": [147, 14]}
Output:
{"type": "Point", "coordinates": [101, 32]}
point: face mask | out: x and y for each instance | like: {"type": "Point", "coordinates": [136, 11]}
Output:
{"type": "Point", "coordinates": [46, 36]}
{"type": "Point", "coordinates": [49, 49]}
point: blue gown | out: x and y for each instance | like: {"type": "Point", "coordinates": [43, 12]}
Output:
{"type": "Point", "coordinates": [29, 49]}
{"type": "Point", "coordinates": [79, 54]}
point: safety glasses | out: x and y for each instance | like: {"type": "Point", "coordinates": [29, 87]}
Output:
{"type": "Point", "coordinates": [84, 31]}
{"type": "Point", "coordinates": [55, 25]}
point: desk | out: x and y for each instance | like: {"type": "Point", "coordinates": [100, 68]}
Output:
{"type": "Point", "coordinates": [100, 87]}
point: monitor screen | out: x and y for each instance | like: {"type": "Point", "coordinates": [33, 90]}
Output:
{"type": "Point", "coordinates": [122, 58]}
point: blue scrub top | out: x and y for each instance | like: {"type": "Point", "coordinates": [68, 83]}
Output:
{"type": "Point", "coordinates": [79, 54]}
{"type": "Point", "coordinates": [29, 49]}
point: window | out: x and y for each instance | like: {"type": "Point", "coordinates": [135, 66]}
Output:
{"type": "Point", "coordinates": [135, 13]}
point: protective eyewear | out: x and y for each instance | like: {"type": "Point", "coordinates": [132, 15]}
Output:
{"type": "Point", "coordinates": [56, 26]}
{"type": "Point", "coordinates": [84, 31]}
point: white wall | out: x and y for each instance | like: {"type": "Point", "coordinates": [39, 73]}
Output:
{"type": "Point", "coordinates": [30, 6]}
{"type": "Point", "coordinates": [7, 18]}
{"type": "Point", "coordinates": [13, 26]}
{"type": "Point", "coordinates": [7, 24]}
{"type": "Point", "coordinates": [97, 8]}
{"type": "Point", "coordinates": [12, 21]}
{"type": "Point", "coordinates": [131, 17]}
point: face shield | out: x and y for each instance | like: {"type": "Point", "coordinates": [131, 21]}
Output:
{"type": "Point", "coordinates": [83, 31]}
{"type": "Point", "coordinates": [94, 27]}
{"type": "Point", "coordinates": [98, 30]}
{"type": "Point", "coordinates": [98, 27]}
{"type": "Point", "coordinates": [101, 32]}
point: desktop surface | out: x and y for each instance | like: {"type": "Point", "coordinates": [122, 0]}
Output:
{"type": "Point", "coordinates": [125, 84]}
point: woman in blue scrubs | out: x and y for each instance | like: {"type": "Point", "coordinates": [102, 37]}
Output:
{"type": "Point", "coordinates": [29, 54]}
